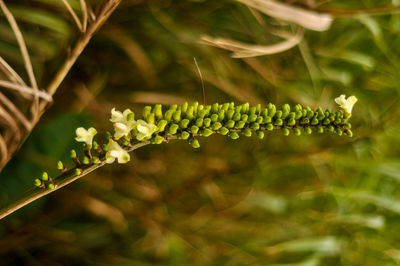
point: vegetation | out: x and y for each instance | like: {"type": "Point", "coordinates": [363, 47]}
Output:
{"type": "Point", "coordinates": [296, 200]}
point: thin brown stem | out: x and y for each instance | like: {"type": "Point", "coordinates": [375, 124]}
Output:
{"type": "Point", "coordinates": [59, 182]}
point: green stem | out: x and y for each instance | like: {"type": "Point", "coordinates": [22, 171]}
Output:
{"type": "Point", "coordinates": [59, 182]}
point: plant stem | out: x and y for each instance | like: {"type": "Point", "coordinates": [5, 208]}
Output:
{"type": "Point", "coordinates": [59, 182]}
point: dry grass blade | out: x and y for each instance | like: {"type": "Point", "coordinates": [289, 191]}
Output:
{"type": "Point", "coordinates": [14, 109]}
{"type": "Point", "coordinates": [10, 72]}
{"type": "Point", "coordinates": [305, 18]}
{"type": "Point", "coordinates": [242, 50]}
{"type": "Point", "coordinates": [73, 15]}
{"type": "Point", "coordinates": [84, 15]}
{"type": "Point", "coordinates": [22, 47]}
{"type": "Point", "coordinates": [25, 90]}
{"type": "Point", "coordinates": [3, 150]}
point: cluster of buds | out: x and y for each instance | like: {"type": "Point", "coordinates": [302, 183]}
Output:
{"type": "Point", "coordinates": [45, 181]}
{"type": "Point", "coordinates": [190, 121]}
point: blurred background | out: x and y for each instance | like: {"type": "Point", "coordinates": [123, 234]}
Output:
{"type": "Point", "coordinates": [308, 200]}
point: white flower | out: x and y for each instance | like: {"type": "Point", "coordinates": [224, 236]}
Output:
{"type": "Point", "coordinates": [346, 105]}
{"type": "Point", "coordinates": [145, 130]}
{"type": "Point", "coordinates": [114, 151]}
{"type": "Point", "coordinates": [123, 122]}
{"type": "Point", "coordinates": [83, 135]}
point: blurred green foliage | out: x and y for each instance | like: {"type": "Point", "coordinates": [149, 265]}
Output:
{"type": "Point", "coordinates": [309, 200]}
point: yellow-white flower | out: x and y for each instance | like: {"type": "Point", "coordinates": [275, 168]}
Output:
{"type": "Point", "coordinates": [145, 130]}
{"type": "Point", "coordinates": [83, 135]}
{"type": "Point", "coordinates": [114, 151]}
{"type": "Point", "coordinates": [346, 104]}
{"type": "Point", "coordinates": [123, 122]}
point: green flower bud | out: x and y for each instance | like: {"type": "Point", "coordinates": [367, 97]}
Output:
{"type": "Point", "coordinates": [45, 176]}
{"type": "Point", "coordinates": [247, 132]}
{"type": "Point", "coordinates": [240, 124]}
{"type": "Point", "coordinates": [173, 107]}
{"type": "Point", "coordinates": [229, 114]}
{"type": "Point", "coordinates": [202, 113]}
{"type": "Point", "coordinates": [304, 113]}
{"type": "Point", "coordinates": [326, 121]}
{"type": "Point", "coordinates": [225, 107]}
{"type": "Point", "coordinates": [157, 110]}
{"type": "Point", "coordinates": [95, 160]}
{"type": "Point", "coordinates": [161, 125]}
{"type": "Point", "coordinates": [271, 109]}
{"type": "Point", "coordinates": [223, 131]}
{"type": "Point", "coordinates": [238, 109]}
{"type": "Point", "coordinates": [291, 115]}
{"type": "Point", "coordinates": [215, 108]}
{"type": "Point", "coordinates": [207, 122]}
{"type": "Point", "coordinates": [291, 122]}
{"type": "Point", "coordinates": [278, 122]}
{"type": "Point", "coordinates": [255, 126]}
{"type": "Point", "coordinates": [278, 114]}
{"type": "Point", "coordinates": [296, 131]}
{"type": "Point", "coordinates": [125, 141]}
{"type": "Point", "coordinates": [199, 122]}
{"type": "Point", "coordinates": [236, 116]}
{"type": "Point", "coordinates": [150, 118]}
{"type": "Point", "coordinates": [72, 154]}
{"type": "Point", "coordinates": [267, 119]}
{"type": "Point", "coordinates": [260, 134]}
{"type": "Point", "coordinates": [221, 115]}
{"type": "Point", "coordinates": [233, 135]}
{"type": "Point", "coordinates": [108, 135]}
{"type": "Point", "coordinates": [184, 135]}
{"type": "Point", "coordinates": [244, 117]}
{"type": "Point", "coordinates": [285, 131]}
{"type": "Point", "coordinates": [305, 121]}
{"type": "Point", "coordinates": [184, 123]}
{"type": "Point", "coordinates": [320, 129]}
{"type": "Point", "coordinates": [245, 108]}
{"type": "Point", "coordinates": [50, 186]}
{"type": "Point", "coordinates": [252, 118]}
{"type": "Point", "coordinates": [95, 145]}
{"type": "Point", "coordinates": [258, 108]}
{"type": "Point", "coordinates": [314, 121]}
{"type": "Point", "coordinates": [195, 144]}
{"type": "Point", "coordinates": [131, 116]}
{"type": "Point", "coordinates": [38, 182]}
{"type": "Point", "coordinates": [168, 115]}
{"type": "Point", "coordinates": [146, 111]}
{"type": "Point", "coordinates": [348, 133]}
{"type": "Point", "coordinates": [184, 107]}
{"type": "Point", "coordinates": [60, 166]}
{"type": "Point", "coordinates": [339, 131]}
{"type": "Point", "coordinates": [347, 125]}
{"type": "Point", "coordinates": [310, 114]}
{"type": "Point", "coordinates": [264, 112]}
{"type": "Point", "coordinates": [200, 108]}
{"type": "Point", "coordinates": [77, 171]}
{"type": "Point", "coordinates": [252, 110]}
{"type": "Point", "coordinates": [195, 106]}
{"type": "Point", "coordinates": [269, 127]}
{"type": "Point", "coordinates": [331, 128]}
{"type": "Point", "coordinates": [190, 112]}
{"type": "Point", "coordinates": [194, 129]}
{"type": "Point", "coordinates": [216, 125]}
{"type": "Point", "coordinates": [173, 128]}
{"type": "Point", "coordinates": [307, 130]}
{"type": "Point", "coordinates": [298, 108]}
{"type": "Point", "coordinates": [214, 118]}
{"type": "Point", "coordinates": [285, 110]}
{"type": "Point", "coordinates": [230, 124]}
{"type": "Point", "coordinates": [158, 139]}
{"type": "Point", "coordinates": [206, 132]}
{"type": "Point", "coordinates": [85, 160]}
{"type": "Point", "coordinates": [177, 116]}
{"type": "Point", "coordinates": [260, 119]}
{"type": "Point", "coordinates": [299, 115]}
